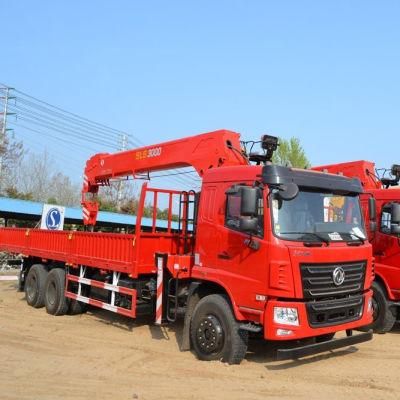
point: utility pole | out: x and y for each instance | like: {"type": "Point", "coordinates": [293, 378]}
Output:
{"type": "Point", "coordinates": [124, 145]}
{"type": "Point", "coordinates": [3, 131]}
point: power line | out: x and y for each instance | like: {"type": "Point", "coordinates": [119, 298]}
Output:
{"type": "Point", "coordinates": [38, 146]}
{"type": "Point", "coordinates": [74, 134]}
{"type": "Point", "coordinates": [177, 179]}
{"type": "Point", "coordinates": [76, 116]}
{"type": "Point", "coordinates": [24, 111]}
{"type": "Point", "coordinates": [32, 107]}
{"type": "Point", "coordinates": [47, 134]}
{"type": "Point", "coordinates": [134, 142]}
{"type": "Point", "coordinates": [54, 119]}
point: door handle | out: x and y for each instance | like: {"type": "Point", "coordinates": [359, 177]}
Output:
{"type": "Point", "coordinates": [224, 255]}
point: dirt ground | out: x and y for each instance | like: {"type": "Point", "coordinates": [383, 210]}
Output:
{"type": "Point", "coordinates": [100, 355]}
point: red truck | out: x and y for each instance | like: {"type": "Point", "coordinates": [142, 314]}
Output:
{"type": "Point", "coordinates": [381, 206]}
{"type": "Point", "coordinates": [253, 252]}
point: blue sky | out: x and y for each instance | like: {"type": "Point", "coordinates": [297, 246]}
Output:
{"type": "Point", "coordinates": [324, 71]}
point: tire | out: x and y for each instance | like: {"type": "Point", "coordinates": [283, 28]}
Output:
{"type": "Point", "coordinates": [213, 316]}
{"type": "Point", "coordinates": [77, 307]}
{"type": "Point", "coordinates": [54, 299]}
{"type": "Point", "coordinates": [21, 280]}
{"type": "Point", "coordinates": [384, 316]}
{"type": "Point", "coordinates": [35, 285]}
{"type": "Point", "coordinates": [324, 338]}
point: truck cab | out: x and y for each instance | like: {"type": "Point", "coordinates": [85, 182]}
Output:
{"type": "Point", "coordinates": [381, 210]}
{"type": "Point", "coordinates": [385, 239]}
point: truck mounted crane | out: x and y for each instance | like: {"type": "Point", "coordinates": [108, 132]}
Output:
{"type": "Point", "coordinates": [381, 209]}
{"type": "Point", "coordinates": [202, 152]}
{"type": "Point", "coordinates": [254, 251]}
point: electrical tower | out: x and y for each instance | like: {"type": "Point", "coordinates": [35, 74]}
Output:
{"type": "Point", "coordinates": [4, 99]}
{"type": "Point", "coordinates": [124, 145]}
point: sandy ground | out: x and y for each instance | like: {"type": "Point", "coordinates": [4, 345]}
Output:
{"type": "Point", "coordinates": [100, 355]}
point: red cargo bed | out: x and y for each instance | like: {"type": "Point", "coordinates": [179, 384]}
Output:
{"type": "Point", "coordinates": [111, 251]}
{"type": "Point", "coordinates": [102, 250]}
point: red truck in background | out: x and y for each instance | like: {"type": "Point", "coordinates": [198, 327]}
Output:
{"type": "Point", "coordinates": [381, 206]}
{"type": "Point", "coordinates": [254, 251]}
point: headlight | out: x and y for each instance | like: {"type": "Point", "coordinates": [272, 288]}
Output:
{"type": "Point", "coordinates": [286, 316]}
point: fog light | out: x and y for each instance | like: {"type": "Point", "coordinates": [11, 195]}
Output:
{"type": "Point", "coordinates": [283, 332]}
{"type": "Point", "coordinates": [286, 316]}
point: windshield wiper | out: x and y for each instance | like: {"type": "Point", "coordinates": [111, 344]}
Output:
{"type": "Point", "coordinates": [360, 238]}
{"type": "Point", "coordinates": [318, 236]}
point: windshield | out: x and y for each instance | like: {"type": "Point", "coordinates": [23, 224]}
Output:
{"type": "Point", "coordinates": [318, 216]}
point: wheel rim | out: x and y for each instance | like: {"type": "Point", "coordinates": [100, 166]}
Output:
{"type": "Point", "coordinates": [375, 309]}
{"type": "Point", "coordinates": [31, 287]}
{"type": "Point", "coordinates": [51, 293]}
{"type": "Point", "coordinates": [210, 335]}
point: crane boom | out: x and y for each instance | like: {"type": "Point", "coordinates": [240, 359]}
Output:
{"type": "Point", "coordinates": [202, 152]}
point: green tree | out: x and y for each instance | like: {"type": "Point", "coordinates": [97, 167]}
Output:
{"type": "Point", "coordinates": [13, 193]}
{"type": "Point", "coordinates": [51, 200]}
{"type": "Point", "coordinates": [291, 153]}
{"type": "Point", "coordinates": [12, 153]}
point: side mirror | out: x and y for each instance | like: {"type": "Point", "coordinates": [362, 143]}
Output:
{"type": "Point", "coordinates": [288, 191]}
{"type": "Point", "coordinates": [372, 208]}
{"type": "Point", "coordinates": [372, 214]}
{"type": "Point", "coordinates": [395, 229]}
{"type": "Point", "coordinates": [395, 171]}
{"type": "Point", "coordinates": [249, 201]}
{"type": "Point", "coordinates": [248, 225]}
{"type": "Point", "coordinates": [395, 214]}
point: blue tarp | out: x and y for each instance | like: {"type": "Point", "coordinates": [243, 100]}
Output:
{"type": "Point", "coordinates": [25, 208]}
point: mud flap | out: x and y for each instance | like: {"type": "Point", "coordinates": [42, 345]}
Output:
{"type": "Point", "coordinates": [193, 299]}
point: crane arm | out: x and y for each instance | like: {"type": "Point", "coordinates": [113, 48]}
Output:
{"type": "Point", "coordinates": [363, 170]}
{"type": "Point", "coordinates": [202, 152]}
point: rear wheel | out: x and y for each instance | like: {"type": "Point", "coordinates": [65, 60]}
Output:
{"type": "Point", "coordinates": [35, 285]}
{"type": "Point", "coordinates": [55, 301]}
{"type": "Point", "coordinates": [78, 307]}
{"type": "Point", "coordinates": [215, 333]}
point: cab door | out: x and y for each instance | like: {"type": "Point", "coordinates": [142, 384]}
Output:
{"type": "Point", "coordinates": [387, 249]}
{"type": "Point", "coordinates": [241, 259]}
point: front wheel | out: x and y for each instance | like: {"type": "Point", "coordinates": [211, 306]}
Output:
{"type": "Point", "coordinates": [383, 315]}
{"type": "Point", "coordinates": [215, 333]}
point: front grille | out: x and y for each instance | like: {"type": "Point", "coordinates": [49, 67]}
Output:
{"type": "Point", "coordinates": [317, 280]}
{"type": "Point", "coordinates": [333, 312]}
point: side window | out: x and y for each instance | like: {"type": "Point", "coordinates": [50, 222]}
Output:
{"type": "Point", "coordinates": [386, 219]}
{"type": "Point", "coordinates": [232, 211]}
{"type": "Point", "coordinates": [208, 200]}
{"type": "Point", "coordinates": [232, 214]}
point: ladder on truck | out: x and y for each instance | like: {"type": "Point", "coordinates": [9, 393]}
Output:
{"type": "Point", "coordinates": [187, 219]}
{"type": "Point", "coordinates": [187, 229]}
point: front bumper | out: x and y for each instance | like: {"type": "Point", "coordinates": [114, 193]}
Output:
{"type": "Point", "coordinates": [304, 328]}
{"type": "Point", "coordinates": [315, 348]}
